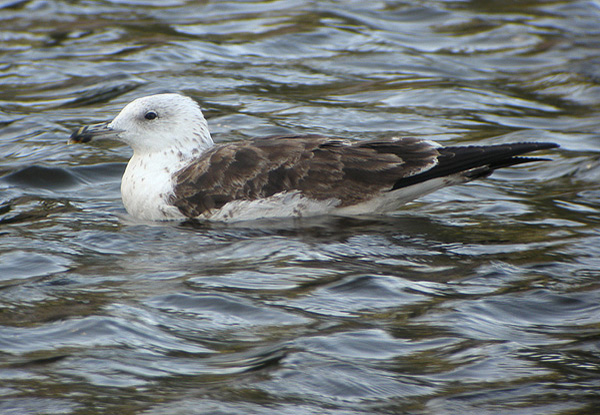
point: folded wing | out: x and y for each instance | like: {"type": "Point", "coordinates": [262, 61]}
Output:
{"type": "Point", "coordinates": [323, 168]}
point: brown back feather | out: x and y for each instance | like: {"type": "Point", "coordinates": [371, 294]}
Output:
{"type": "Point", "coordinates": [319, 167]}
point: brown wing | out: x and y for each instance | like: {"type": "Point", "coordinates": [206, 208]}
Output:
{"type": "Point", "coordinates": [319, 167]}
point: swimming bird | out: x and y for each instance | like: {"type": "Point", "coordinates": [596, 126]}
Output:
{"type": "Point", "coordinates": [178, 172]}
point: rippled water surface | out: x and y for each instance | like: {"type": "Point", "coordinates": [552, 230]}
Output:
{"type": "Point", "coordinates": [482, 298]}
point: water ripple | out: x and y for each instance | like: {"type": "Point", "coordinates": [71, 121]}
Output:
{"type": "Point", "coordinates": [476, 299]}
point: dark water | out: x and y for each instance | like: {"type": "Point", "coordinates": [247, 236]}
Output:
{"type": "Point", "coordinates": [483, 298]}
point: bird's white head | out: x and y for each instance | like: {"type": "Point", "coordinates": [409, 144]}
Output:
{"type": "Point", "coordinates": [155, 123]}
{"type": "Point", "coordinates": [158, 122]}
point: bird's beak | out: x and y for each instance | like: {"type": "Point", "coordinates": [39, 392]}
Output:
{"type": "Point", "coordinates": [86, 133]}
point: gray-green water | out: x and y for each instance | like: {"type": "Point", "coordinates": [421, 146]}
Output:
{"type": "Point", "coordinates": [482, 298]}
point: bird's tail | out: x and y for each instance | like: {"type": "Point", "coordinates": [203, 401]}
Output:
{"type": "Point", "coordinates": [476, 161]}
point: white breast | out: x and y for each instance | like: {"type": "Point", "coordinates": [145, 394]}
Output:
{"type": "Point", "coordinates": [147, 186]}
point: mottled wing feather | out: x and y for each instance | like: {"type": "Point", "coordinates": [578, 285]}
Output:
{"type": "Point", "coordinates": [319, 167]}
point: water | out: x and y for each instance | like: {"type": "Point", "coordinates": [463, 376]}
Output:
{"type": "Point", "coordinates": [481, 298]}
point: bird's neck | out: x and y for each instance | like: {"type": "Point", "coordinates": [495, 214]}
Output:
{"type": "Point", "coordinates": [148, 182]}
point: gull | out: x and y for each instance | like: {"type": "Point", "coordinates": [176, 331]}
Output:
{"type": "Point", "coordinates": [177, 172]}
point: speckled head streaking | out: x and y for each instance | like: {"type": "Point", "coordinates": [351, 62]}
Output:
{"type": "Point", "coordinates": [155, 123]}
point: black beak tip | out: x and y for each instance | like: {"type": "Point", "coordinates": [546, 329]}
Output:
{"type": "Point", "coordinates": [81, 135]}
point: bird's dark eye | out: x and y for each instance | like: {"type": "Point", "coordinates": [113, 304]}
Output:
{"type": "Point", "coordinates": [150, 115]}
